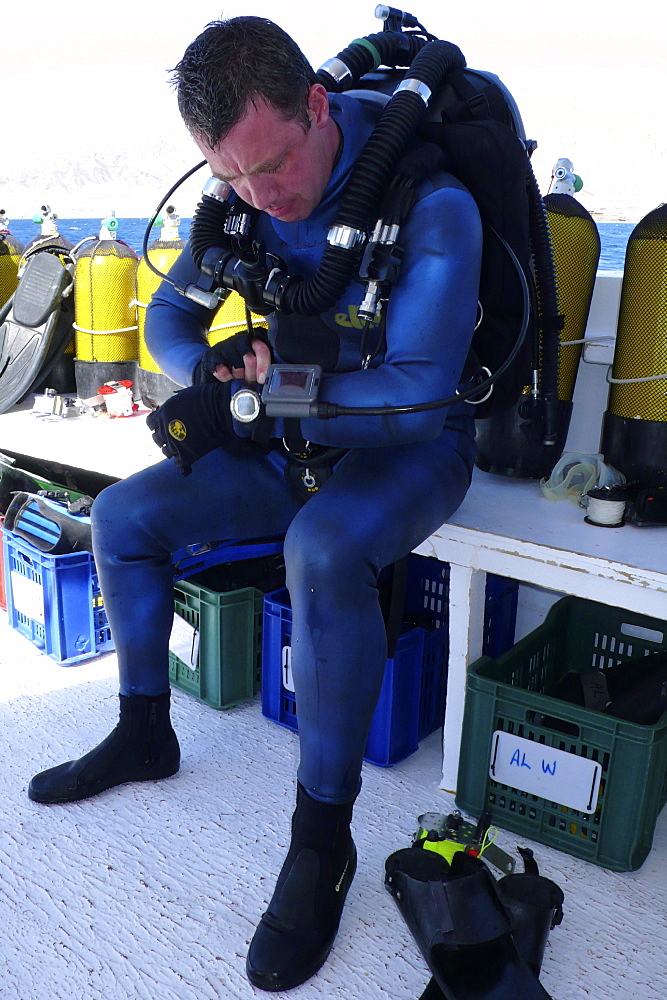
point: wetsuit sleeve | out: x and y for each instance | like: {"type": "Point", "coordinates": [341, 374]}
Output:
{"type": "Point", "coordinates": [430, 320]}
{"type": "Point", "coordinates": [176, 328]}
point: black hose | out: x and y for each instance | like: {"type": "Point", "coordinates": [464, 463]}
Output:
{"type": "Point", "coordinates": [370, 177]}
{"type": "Point", "coordinates": [399, 120]}
{"type": "Point", "coordinates": [207, 225]}
{"type": "Point", "coordinates": [393, 48]}
{"type": "Point", "coordinates": [151, 221]}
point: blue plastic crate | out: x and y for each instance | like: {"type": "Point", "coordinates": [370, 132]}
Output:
{"type": "Point", "coordinates": [412, 699]}
{"type": "Point", "coordinates": [55, 601]}
{"type": "Point", "coordinates": [500, 609]}
{"type": "Point", "coordinates": [3, 596]}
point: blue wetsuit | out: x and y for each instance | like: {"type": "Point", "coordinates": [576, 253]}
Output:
{"type": "Point", "coordinates": [401, 478]}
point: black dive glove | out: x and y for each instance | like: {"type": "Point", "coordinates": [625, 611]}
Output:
{"type": "Point", "coordinates": [227, 352]}
{"type": "Point", "coordinates": [193, 422]}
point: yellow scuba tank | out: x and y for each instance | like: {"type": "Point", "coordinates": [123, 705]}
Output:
{"type": "Point", "coordinates": [163, 253]}
{"type": "Point", "coordinates": [106, 339]}
{"type": "Point", "coordinates": [634, 429]}
{"type": "Point", "coordinates": [10, 254]}
{"type": "Point", "coordinates": [230, 318]}
{"type": "Point", "coordinates": [47, 220]}
{"type": "Point", "coordinates": [576, 245]}
{"type": "Point", "coordinates": [153, 385]}
{"type": "Point", "coordinates": [506, 443]}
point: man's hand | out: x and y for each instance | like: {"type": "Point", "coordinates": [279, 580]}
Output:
{"type": "Point", "coordinates": [241, 356]}
{"type": "Point", "coordinates": [193, 422]}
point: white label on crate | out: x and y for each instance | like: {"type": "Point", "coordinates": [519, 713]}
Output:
{"type": "Point", "coordinates": [554, 775]}
{"type": "Point", "coordinates": [28, 597]}
{"type": "Point", "coordinates": [184, 642]}
{"type": "Point", "coordinates": [286, 668]}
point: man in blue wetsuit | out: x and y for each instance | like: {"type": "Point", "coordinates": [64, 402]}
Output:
{"type": "Point", "coordinates": [268, 128]}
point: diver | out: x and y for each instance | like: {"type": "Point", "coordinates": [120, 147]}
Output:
{"type": "Point", "coordinates": [378, 486]}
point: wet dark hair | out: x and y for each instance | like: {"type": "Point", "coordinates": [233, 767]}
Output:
{"type": "Point", "coordinates": [235, 61]}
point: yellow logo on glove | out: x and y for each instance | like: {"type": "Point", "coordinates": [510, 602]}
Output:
{"type": "Point", "coordinates": [177, 430]}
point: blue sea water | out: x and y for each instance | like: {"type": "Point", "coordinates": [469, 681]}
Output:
{"type": "Point", "coordinates": [130, 231]}
{"type": "Point", "coordinates": [613, 235]}
{"type": "Point", "coordinates": [613, 240]}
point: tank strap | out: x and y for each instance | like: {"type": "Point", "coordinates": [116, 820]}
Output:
{"type": "Point", "coordinates": [123, 329]}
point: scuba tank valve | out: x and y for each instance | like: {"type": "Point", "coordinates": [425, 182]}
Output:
{"type": "Point", "coordinates": [109, 227]}
{"type": "Point", "coordinates": [169, 223]}
{"type": "Point", "coordinates": [47, 219]}
{"type": "Point", "coordinates": [563, 180]}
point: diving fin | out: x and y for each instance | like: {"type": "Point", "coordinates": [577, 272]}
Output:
{"type": "Point", "coordinates": [535, 906]}
{"type": "Point", "coordinates": [460, 922]}
{"type": "Point", "coordinates": [36, 329]}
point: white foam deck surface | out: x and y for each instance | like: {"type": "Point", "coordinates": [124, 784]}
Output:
{"type": "Point", "coordinates": [152, 891]}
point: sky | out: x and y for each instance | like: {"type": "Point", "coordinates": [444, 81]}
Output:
{"type": "Point", "coordinates": [85, 78]}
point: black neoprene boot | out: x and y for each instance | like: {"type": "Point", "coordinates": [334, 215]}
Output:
{"type": "Point", "coordinates": [295, 935]}
{"type": "Point", "coordinates": [142, 747]}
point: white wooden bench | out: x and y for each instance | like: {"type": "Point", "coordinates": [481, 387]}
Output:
{"type": "Point", "coordinates": [508, 528]}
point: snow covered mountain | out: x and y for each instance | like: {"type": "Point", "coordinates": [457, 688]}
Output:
{"type": "Point", "coordinates": [123, 145]}
{"type": "Point", "coordinates": [131, 182]}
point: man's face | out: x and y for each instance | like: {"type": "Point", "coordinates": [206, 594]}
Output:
{"type": "Point", "coordinates": [274, 164]}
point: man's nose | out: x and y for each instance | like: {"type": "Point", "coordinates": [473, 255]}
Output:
{"type": "Point", "coordinates": [260, 192]}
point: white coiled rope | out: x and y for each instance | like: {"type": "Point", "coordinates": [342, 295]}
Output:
{"type": "Point", "coordinates": [606, 512]}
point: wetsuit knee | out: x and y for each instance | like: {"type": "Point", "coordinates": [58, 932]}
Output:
{"type": "Point", "coordinates": [323, 550]}
{"type": "Point", "coordinates": [124, 516]}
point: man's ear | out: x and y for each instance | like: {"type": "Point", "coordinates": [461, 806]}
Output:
{"type": "Point", "coordinates": [318, 105]}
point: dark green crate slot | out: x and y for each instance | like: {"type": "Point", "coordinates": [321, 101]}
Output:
{"type": "Point", "coordinates": [508, 694]}
{"type": "Point", "coordinates": [229, 663]}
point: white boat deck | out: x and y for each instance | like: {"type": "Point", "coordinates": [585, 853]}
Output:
{"type": "Point", "coordinates": [151, 891]}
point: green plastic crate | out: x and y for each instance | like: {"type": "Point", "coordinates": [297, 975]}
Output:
{"type": "Point", "coordinates": [507, 694]}
{"type": "Point", "coordinates": [229, 663]}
